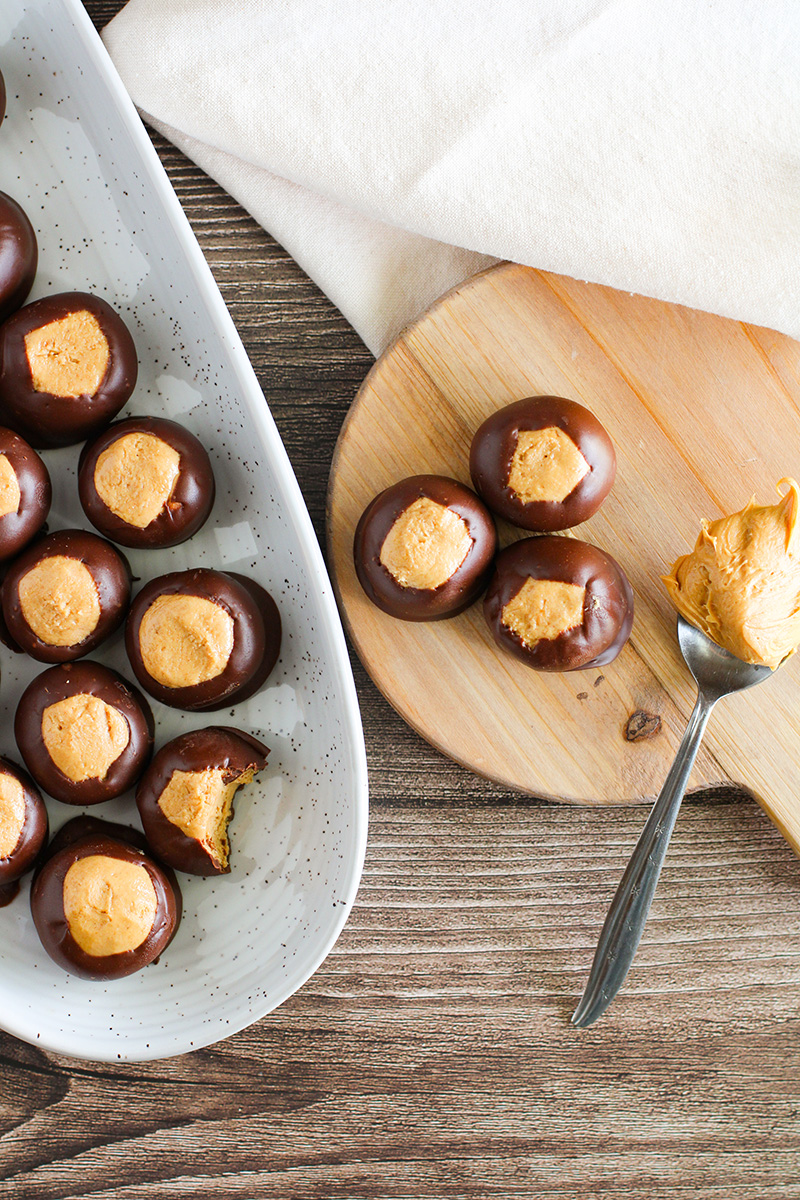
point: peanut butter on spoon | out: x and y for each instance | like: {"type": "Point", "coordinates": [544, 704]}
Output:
{"type": "Point", "coordinates": [741, 583]}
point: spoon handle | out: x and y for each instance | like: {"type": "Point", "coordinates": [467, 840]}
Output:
{"type": "Point", "coordinates": [627, 915]}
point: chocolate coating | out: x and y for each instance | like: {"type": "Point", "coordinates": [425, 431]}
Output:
{"type": "Point", "coordinates": [33, 834]}
{"type": "Point", "coordinates": [218, 747]}
{"type": "Point", "coordinates": [467, 581]}
{"type": "Point", "coordinates": [47, 900]}
{"type": "Point", "coordinates": [189, 504]}
{"type": "Point", "coordinates": [2, 98]}
{"type": "Point", "coordinates": [70, 679]}
{"type": "Point", "coordinates": [19, 256]}
{"type": "Point", "coordinates": [256, 637]}
{"type": "Point", "coordinates": [607, 608]}
{"type": "Point", "coordinates": [35, 493]}
{"type": "Point", "coordinates": [83, 826]}
{"type": "Point", "coordinates": [112, 578]}
{"type": "Point", "coordinates": [493, 448]}
{"type": "Point", "coordinates": [49, 420]}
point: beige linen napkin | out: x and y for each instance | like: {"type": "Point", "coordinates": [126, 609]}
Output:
{"type": "Point", "coordinates": [396, 146]}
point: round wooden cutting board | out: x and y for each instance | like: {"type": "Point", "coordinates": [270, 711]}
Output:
{"type": "Point", "coordinates": [703, 412]}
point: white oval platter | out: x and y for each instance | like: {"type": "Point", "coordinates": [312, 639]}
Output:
{"type": "Point", "coordinates": [74, 153]}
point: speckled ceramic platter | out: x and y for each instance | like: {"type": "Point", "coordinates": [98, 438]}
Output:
{"type": "Point", "coordinates": [703, 412]}
{"type": "Point", "coordinates": [75, 155]}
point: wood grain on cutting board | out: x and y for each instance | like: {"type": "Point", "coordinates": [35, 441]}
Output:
{"type": "Point", "coordinates": [703, 413]}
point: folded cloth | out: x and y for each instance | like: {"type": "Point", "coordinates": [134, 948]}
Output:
{"type": "Point", "coordinates": [394, 147]}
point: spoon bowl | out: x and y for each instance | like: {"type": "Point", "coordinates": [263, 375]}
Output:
{"type": "Point", "coordinates": [717, 672]}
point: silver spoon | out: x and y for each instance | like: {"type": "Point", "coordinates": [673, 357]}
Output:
{"type": "Point", "coordinates": [718, 673]}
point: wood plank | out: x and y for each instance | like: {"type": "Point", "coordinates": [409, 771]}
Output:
{"type": "Point", "coordinates": [431, 1055]}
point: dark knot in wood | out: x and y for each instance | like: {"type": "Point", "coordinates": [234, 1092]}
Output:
{"type": "Point", "coordinates": [642, 725]}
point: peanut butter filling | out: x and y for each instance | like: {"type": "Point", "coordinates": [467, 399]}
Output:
{"type": "Point", "coordinates": [741, 583]}
{"type": "Point", "coordinates": [135, 477]}
{"type": "Point", "coordinates": [547, 465]}
{"type": "Point", "coordinates": [185, 640]}
{"type": "Point", "coordinates": [59, 600]}
{"type": "Point", "coordinates": [543, 609]}
{"type": "Point", "coordinates": [426, 545]}
{"type": "Point", "coordinates": [9, 488]}
{"type": "Point", "coordinates": [199, 803]}
{"type": "Point", "coordinates": [83, 735]}
{"type": "Point", "coordinates": [68, 357]}
{"type": "Point", "coordinates": [12, 813]}
{"type": "Point", "coordinates": [110, 904]}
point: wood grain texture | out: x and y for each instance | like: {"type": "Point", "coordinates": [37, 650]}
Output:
{"type": "Point", "coordinates": [430, 1056]}
{"type": "Point", "coordinates": [684, 396]}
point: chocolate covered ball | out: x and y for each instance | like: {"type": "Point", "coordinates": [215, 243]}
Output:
{"type": "Point", "coordinates": [85, 734]}
{"type": "Point", "coordinates": [146, 482]}
{"type": "Point", "coordinates": [67, 366]}
{"type": "Point", "coordinates": [25, 493]}
{"type": "Point", "coordinates": [423, 548]}
{"type": "Point", "coordinates": [103, 908]}
{"type": "Point", "coordinates": [23, 822]}
{"type": "Point", "coordinates": [19, 256]}
{"type": "Point", "coordinates": [185, 797]}
{"type": "Point", "coordinates": [201, 639]}
{"type": "Point", "coordinates": [65, 595]}
{"type": "Point", "coordinates": [543, 463]}
{"type": "Point", "coordinates": [559, 604]}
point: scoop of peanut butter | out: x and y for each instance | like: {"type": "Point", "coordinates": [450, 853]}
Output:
{"type": "Point", "coordinates": [741, 583]}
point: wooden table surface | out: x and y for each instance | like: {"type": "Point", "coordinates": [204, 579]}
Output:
{"type": "Point", "coordinates": [431, 1055]}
